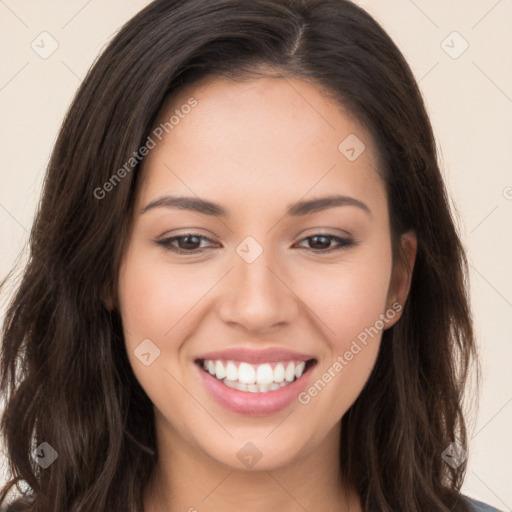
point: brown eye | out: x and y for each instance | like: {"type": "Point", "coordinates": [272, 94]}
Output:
{"type": "Point", "coordinates": [322, 243]}
{"type": "Point", "coordinates": [189, 243]}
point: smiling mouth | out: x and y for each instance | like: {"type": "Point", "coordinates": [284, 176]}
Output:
{"type": "Point", "coordinates": [255, 378]}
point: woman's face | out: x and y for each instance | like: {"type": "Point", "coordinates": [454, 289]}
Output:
{"type": "Point", "coordinates": [252, 288]}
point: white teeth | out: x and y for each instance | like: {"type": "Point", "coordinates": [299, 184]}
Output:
{"type": "Point", "coordinates": [253, 388]}
{"type": "Point", "coordinates": [246, 374]}
{"type": "Point", "coordinates": [231, 383]}
{"type": "Point", "coordinates": [299, 369]}
{"type": "Point", "coordinates": [279, 373]}
{"type": "Point", "coordinates": [255, 378]}
{"type": "Point", "coordinates": [263, 388]}
{"type": "Point", "coordinates": [289, 373]}
{"type": "Point", "coordinates": [264, 374]}
{"type": "Point", "coordinates": [235, 385]}
{"type": "Point", "coordinates": [220, 372]}
{"type": "Point", "coordinates": [231, 371]}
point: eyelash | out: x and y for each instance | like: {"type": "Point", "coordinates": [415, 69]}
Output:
{"type": "Point", "coordinates": [344, 243]}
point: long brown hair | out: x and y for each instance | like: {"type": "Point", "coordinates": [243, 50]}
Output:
{"type": "Point", "coordinates": [65, 375]}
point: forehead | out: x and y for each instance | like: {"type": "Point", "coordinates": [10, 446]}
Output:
{"type": "Point", "coordinates": [261, 139]}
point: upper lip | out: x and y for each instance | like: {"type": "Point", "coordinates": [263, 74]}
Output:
{"type": "Point", "coordinates": [269, 355]}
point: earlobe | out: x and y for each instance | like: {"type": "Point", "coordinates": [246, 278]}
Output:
{"type": "Point", "coordinates": [402, 273]}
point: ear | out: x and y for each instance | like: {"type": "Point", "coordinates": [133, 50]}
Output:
{"type": "Point", "coordinates": [401, 275]}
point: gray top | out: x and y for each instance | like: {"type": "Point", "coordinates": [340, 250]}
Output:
{"type": "Point", "coordinates": [481, 507]}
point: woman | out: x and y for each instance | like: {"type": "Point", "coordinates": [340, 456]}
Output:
{"type": "Point", "coordinates": [245, 288]}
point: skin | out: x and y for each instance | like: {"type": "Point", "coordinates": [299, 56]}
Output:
{"type": "Point", "coordinates": [255, 147]}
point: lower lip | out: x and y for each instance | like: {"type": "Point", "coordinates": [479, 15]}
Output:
{"type": "Point", "coordinates": [253, 404]}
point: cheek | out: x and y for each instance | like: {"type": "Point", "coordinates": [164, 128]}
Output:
{"type": "Point", "coordinates": [349, 297]}
{"type": "Point", "coordinates": [154, 306]}
{"type": "Point", "coordinates": [160, 303]}
{"type": "Point", "coordinates": [155, 297]}
{"type": "Point", "coordinates": [349, 301]}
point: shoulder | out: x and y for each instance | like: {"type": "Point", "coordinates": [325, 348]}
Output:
{"type": "Point", "coordinates": [478, 506]}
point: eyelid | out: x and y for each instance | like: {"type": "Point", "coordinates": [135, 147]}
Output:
{"type": "Point", "coordinates": [320, 230]}
{"type": "Point", "coordinates": [342, 243]}
{"type": "Point", "coordinates": [165, 242]}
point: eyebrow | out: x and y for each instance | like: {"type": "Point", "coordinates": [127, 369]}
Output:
{"type": "Point", "coordinates": [297, 209]}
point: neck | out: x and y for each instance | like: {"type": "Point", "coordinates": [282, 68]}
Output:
{"type": "Point", "coordinates": [185, 478]}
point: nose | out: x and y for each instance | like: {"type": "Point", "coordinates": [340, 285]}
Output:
{"type": "Point", "coordinates": [257, 296]}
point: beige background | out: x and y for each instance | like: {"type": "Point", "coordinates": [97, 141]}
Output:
{"type": "Point", "coordinates": [469, 99]}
